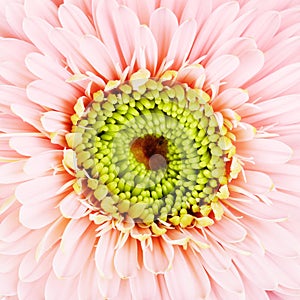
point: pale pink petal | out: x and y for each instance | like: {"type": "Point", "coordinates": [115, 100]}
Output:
{"type": "Point", "coordinates": [73, 18]}
{"type": "Point", "coordinates": [139, 289]}
{"type": "Point", "coordinates": [22, 245]}
{"type": "Point", "coordinates": [265, 151]}
{"type": "Point", "coordinates": [98, 56]}
{"type": "Point", "coordinates": [288, 49]}
{"type": "Point", "coordinates": [87, 287]}
{"type": "Point", "coordinates": [60, 97]}
{"type": "Point", "coordinates": [30, 146]}
{"type": "Point", "coordinates": [71, 207]}
{"type": "Point", "coordinates": [228, 230]}
{"type": "Point", "coordinates": [194, 74]}
{"type": "Point", "coordinates": [181, 43]}
{"type": "Point", "coordinates": [76, 245]}
{"type": "Point", "coordinates": [9, 283]}
{"type": "Point", "coordinates": [40, 214]}
{"type": "Point", "coordinates": [51, 237]}
{"type": "Point", "coordinates": [265, 279]}
{"type": "Point", "coordinates": [109, 288]}
{"type": "Point", "coordinates": [188, 279]}
{"type": "Point", "coordinates": [147, 51]}
{"type": "Point", "coordinates": [263, 28]}
{"type": "Point", "coordinates": [44, 9]}
{"type": "Point", "coordinates": [40, 189]}
{"type": "Point", "coordinates": [142, 9]}
{"type": "Point", "coordinates": [12, 229]}
{"type": "Point", "coordinates": [280, 80]}
{"type": "Point", "coordinates": [175, 7]}
{"type": "Point", "coordinates": [38, 31]}
{"type": "Point", "coordinates": [104, 256]}
{"type": "Point", "coordinates": [283, 110]}
{"type": "Point", "coordinates": [198, 10]}
{"type": "Point", "coordinates": [56, 121]}
{"type": "Point", "coordinates": [251, 63]}
{"type": "Point", "coordinates": [67, 43]}
{"type": "Point", "coordinates": [32, 290]}
{"type": "Point", "coordinates": [218, 69]}
{"type": "Point", "coordinates": [61, 288]}
{"type": "Point", "coordinates": [11, 124]}
{"type": "Point", "coordinates": [13, 172]}
{"type": "Point", "coordinates": [230, 98]}
{"type": "Point", "coordinates": [46, 67]}
{"type": "Point", "coordinates": [29, 113]}
{"type": "Point", "coordinates": [214, 27]}
{"type": "Point", "coordinates": [16, 73]}
{"type": "Point", "coordinates": [158, 257]}
{"type": "Point", "coordinates": [218, 292]}
{"type": "Point", "coordinates": [272, 235]}
{"type": "Point", "coordinates": [125, 260]}
{"type": "Point", "coordinates": [31, 270]}
{"type": "Point", "coordinates": [14, 13]}
{"type": "Point", "coordinates": [244, 132]}
{"type": "Point", "coordinates": [163, 18]}
{"type": "Point", "coordinates": [255, 182]}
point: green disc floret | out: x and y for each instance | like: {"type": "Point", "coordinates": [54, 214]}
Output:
{"type": "Point", "coordinates": [151, 152]}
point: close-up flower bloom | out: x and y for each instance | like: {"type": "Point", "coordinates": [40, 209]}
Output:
{"type": "Point", "coordinates": [149, 149]}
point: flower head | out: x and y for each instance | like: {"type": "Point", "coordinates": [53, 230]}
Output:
{"type": "Point", "coordinates": [149, 149]}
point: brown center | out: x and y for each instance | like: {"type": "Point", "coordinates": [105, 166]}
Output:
{"type": "Point", "coordinates": [151, 151]}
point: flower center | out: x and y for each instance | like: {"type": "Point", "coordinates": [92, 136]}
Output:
{"type": "Point", "coordinates": [152, 151]}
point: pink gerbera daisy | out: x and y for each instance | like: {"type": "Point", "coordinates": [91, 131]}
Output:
{"type": "Point", "coordinates": [149, 149]}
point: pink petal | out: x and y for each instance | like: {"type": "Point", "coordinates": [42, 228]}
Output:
{"type": "Point", "coordinates": [9, 283]}
{"type": "Point", "coordinates": [274, 237]}
{"type": "Point", "coordinates": [40, 189]}
{"type": "Point", "coordinates": [76, 245]}
{"type": "Point", "coordinates": [251, 62]}
{"type": "Point", "coordinates": [228, 231]}
{"type": "Point", "coordinates": [67, 43]}
{"type": "Point", "coordinates": [30, 146]}
{"type": "Point", "coordinates": [87, 288]}
{"type": "Point", "coordinates": [256, 183]}
{"type": "Point", "coordinates": [278, 152]}
{"type": "Point", "coordinates": [263, 28]}
{"type": "Point", "coordinates": [51, 237]}
{"type": "Point", "coordinates": [44, 9]}
{"type": "Point", "coordinates": [60, 97]}
{"type": "Point", "coordinates": [230, 98]}
{"type": "Point", "coordinates": [138, 287]}
{"type": "Point", "coordinates": [31, 270]}
{"type": "Point", "coordinates": [44, 162]}
{"type": "Point", "coordinates": [73, 18]}
{"type": "Point", "coordinates": [244, 132]}
{"type": "Point", "coordinates": [71, 207]}
{"type": "Point", "coordinates": [187, 280]}
{"type": "Point", "coordinates": [159, 256]}
{"type": "Point", "coordinates": [38, 32]}
{"type": "Point", "coordinates": [15, 73]}
{"type": "Point", "coordinates": [147, 51]}
{"type": "Point", "coordinates": [13, 172]}
{"type": "Point", "coordinates": [61, 288]}
{"type": "Point", "coordinates": [125, 259]}
{"type": "Point", "coordinates": [38, 215]}
{"type": "Point", "coordinates": [181, 43]}
{"type": "Point", "coordinates": [163, 18]}
{"type": "Point", "coordinates": [142, 9]}
{"type": "Point", "coordinates": [214, 26]}
{"type": "Point", "coordinates": [104, 255]}
{"type": "Point", "coordinates": [15, 14]}
{"type": "Point", "coordinates": [98, 56]}
{"type": "Point", "coordinates": [281, 81]}
{"type": "Point", "coordinates": [283, 110]}
{"type": "Point", "coordinates": [221, 67]}
{"type": "Point", "coordinates": [109, 288]}
{"type": "Point", "coordinates": [29, 113]}
{"type": "Point", "coordinates": [11, 229]}
{"type": "Point", "coordinates": [56, 121]}
{"type": "Point", "coordinates": [193, 74]}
